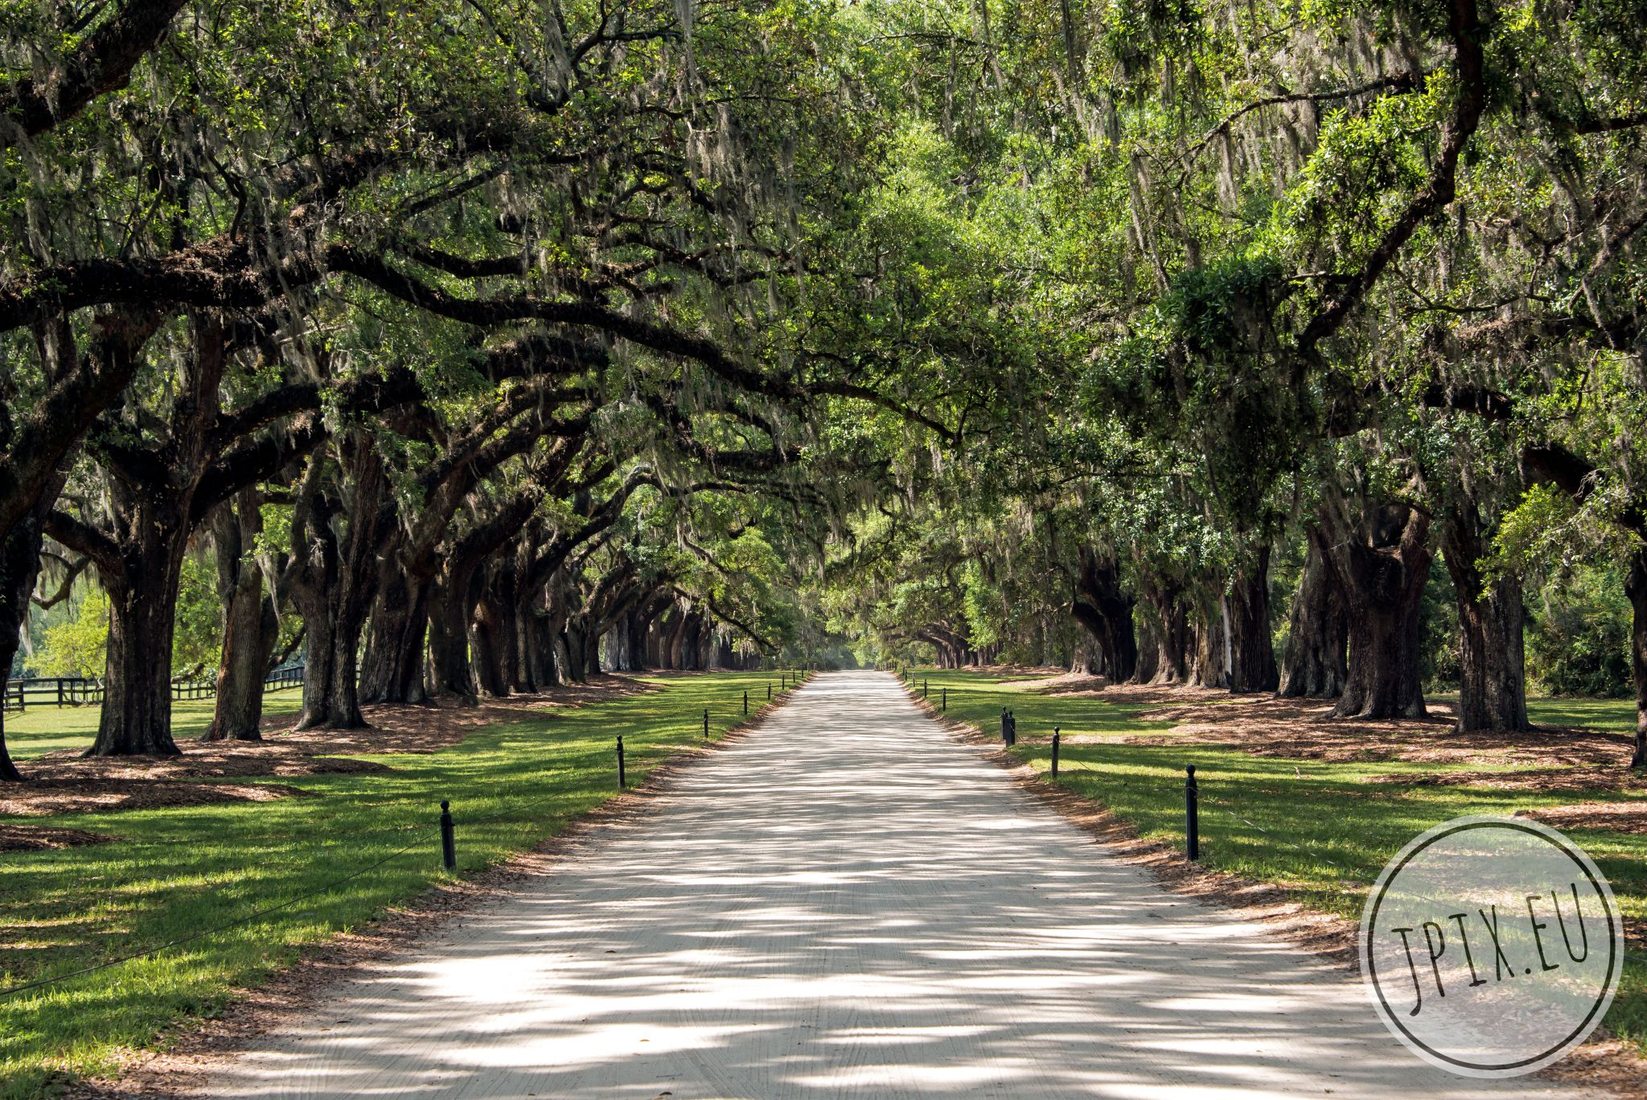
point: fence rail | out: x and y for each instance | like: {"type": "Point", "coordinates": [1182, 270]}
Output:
{"type": "Point", "coordinates": [77, 691]}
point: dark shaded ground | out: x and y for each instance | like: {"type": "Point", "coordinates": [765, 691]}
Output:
{"type": "Point", "coordinates": [31, 838]}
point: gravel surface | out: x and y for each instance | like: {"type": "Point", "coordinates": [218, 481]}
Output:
{"type": "Point", "coordinates": [847, 903]}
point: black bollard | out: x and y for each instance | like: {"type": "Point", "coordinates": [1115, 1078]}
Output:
{"type": "Point", "coordinates": [783, 681]}
{"type": "Point", "coordinates": [706, 723]}
{"type": "Point", "coordinates": [1192, 813]}
{"type": "Point", "coordinates": [623, 780]}
{"type": "Point", "coordinates": [945, 707]}
{"type": "Point", "coordinates": [448, 842]}
{"type": "Point", "coordinates": [769, 691]}
{"type": "Point", "coordinates": [1004, 727]}
{"type": "Point", "coordinates": [1055, 740]}
{"type": "Point", "coordinates": [746, 704]}
{"type": "Point", "coordinates": [923, 687]}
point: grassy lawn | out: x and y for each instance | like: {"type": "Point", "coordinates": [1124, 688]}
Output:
{"type": "Point", "coordinates": [344, 850]}
{"type": "Point", "coordinates": [42, 729]}
{"type": "Point", "coordinates": [1317, 828]}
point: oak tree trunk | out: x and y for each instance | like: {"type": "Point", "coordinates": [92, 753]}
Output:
{"type": "Point", "coordinates": [19, 568]}
{"type": "Point", "coordinates": [1104, 609]}
{"type": "Point", "coordinates": [493, 646]}
{"type": "Point", "coordinates": [1252, 649]}
{"type": "Point", "coordinates": [393, 671]}
{"type": "Point", "coordinates": [1492, 690]}
{"type": "Point", "coordinates": [250, 624]}
{"type": "Point", "coordinates": [1210, 654]}
{"type": "Point", "coordinates": [1636, 587]}
{"type": "Point", "coordinates": [1318, 632]}
{"type": "Point", "coordinates": [137, 691]}
{"type": "Point", "coordinates": [1170, 633]}
{"type": "Point", "coordinates": [449, 671]}
{"type": "Point", "coordinates": [1381, 565]}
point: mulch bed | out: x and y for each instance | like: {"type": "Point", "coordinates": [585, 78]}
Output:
{"type": "Point", "coordinates": [67, 782]}
{"type": "Point", "coordinates": [45, 797]}
{"type": "Point", "coordinates": [34, 838]}
{"type": "Point", "coordinates": [1618, 817]}
{"type": "Point", "coordinates": [1296, 729]}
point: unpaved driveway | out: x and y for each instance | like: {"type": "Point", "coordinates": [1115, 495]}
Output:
{"type": "Point", "coordinates": [847, 903]}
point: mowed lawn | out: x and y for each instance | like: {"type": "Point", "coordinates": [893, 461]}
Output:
{"type": "Point", "coordinates": [245, 886]}
{"type": "Point", "coordinates": [1320, 829]}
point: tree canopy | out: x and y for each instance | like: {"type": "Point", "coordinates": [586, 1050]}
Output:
{"type": "Point", "coordinates": [470, 349]}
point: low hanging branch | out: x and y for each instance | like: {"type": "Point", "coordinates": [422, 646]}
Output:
{"type": "Point", "coordinates": [493, 312]}
{"type": "Point", "coordinates": [102, 63]}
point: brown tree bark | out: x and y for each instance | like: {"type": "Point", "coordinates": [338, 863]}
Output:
{"type": "Point", "coordinates": [1104, 610]}
{"type": "Point", "coordinates": [1318, 633]}
{"type": "Point", "coordinates": [393, 670]}
{"type": "Point", "coordinates": [136, 719]}
{"type": "Point", "coordinates": [1252, 649]}
{"type": "Point", "coordinates": [19, 569]}
{"type": "Point", "coordinates": [250, 624]}
{"type": "Point", "coordinates": [494, 633]}
{"type": "Point", "coordinates": [1210, 655]}
{"type": "Point", "coordinates": [101, 63]}
{"type": "Point", "coordinates": [332, 577]}
{"type": "Point", "coordinates": [140, 560]}
{"type": "Point", "coordinates": [537, 651]}
{"type": "Point", "coordinates": [1381, 561]}
{"type": "Point", "coordinates": [1492, 693]}
{"type": "Point", "coordinates": [449, 671]}
{"type": "Point", "coordinates": [32, 466]}
{"type": "Point", "coordinates": [1170, 632]}
{"type": "Point", "coordinates": [1636, 587]}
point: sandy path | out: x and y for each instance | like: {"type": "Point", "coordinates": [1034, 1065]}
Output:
{"type": "Point", "coordinates": [847, 903]}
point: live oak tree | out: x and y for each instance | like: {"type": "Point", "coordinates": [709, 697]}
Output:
{"type": "Point", "coordinates": [1061, 331]}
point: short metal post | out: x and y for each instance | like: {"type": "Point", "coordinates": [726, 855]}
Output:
{"type": "Point", "coordinates": [1055, 740]}
{"type": "Point", "coordinates": [1192, 813]}
{"type": "Point", "coordinates": [783, 681]}
{"type": "Point", "coordinates": [623, 780]}
{"type": "Point", "coordinates": [923, 687]}
{"type": "Point", "coordinates": [1004, 740]}
{"type": "Point", "coordinates": [448, 842]}
{"type": "Point", "coordinates": [706, 723]}
{"type": "Point", "coordinates": [945, 707]}
{"type": "Point", "coordinates": [746, 704]}
{"type": "Point", "coordinates": [769, 691]}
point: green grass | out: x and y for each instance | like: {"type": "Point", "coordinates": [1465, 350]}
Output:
{"type": "Point", "coordinates": [43, 729]}
{"type": "Point", "coordinates": [200, 870]}
{"type": "Point", "coordinates": [1316, 828]}
{"type": "Point", "coordinates": [1605, 714]}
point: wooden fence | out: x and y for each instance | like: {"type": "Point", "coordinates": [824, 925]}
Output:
{"type": "Point", "coordinates": [75, 691]}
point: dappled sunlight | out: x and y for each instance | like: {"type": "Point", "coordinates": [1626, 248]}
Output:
{"type": "Point", "coordinates": [846, 903]}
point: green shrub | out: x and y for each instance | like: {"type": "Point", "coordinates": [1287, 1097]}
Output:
{"type": "Point", "coordinates": [1578, 635]}
{"type": "Point", "coordinates": [76, 646]}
